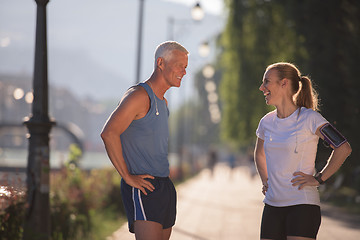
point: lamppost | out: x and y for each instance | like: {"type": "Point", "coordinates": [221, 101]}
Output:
{"type": "Point", "coordinates": [37, 219]}
{"type": "Point", "coordinates": [204, 49]}
{"type": "Point", "coordinates": [139, 43]}
{"type": "Point", "coordinates": [212, 97]}
{"type": "Point", "coordinates": [197, 14]}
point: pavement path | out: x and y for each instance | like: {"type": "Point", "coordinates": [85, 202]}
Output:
{"type": "Point", "coordinates": [227, 205]}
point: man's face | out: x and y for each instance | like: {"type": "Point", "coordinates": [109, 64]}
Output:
{"type": "Point", "coordinates": [174, 68]}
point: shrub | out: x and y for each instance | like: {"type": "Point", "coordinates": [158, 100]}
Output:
{"type": "Point", "coordinates": [12, 210]}
{"type": "Point", "coordinates": [75, 197]}
{"type": "Point", "coordinates": [75, 194]}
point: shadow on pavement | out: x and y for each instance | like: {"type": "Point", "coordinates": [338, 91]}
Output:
{"type": "Point", "coordinates": [347, 219]}
{"type": "Point", "coordinates": [188, 234]}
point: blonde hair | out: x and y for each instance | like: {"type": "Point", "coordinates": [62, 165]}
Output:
{"type": "Point", "coordinates": [303, 93]}
{"type": "Point", "coordinates": [165, 49]}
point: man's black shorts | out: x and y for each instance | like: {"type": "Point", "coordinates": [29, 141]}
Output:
{"type": "Point", "coordinates": [157, 206]}
{"type": "Point", "coordinates": [299, 220]}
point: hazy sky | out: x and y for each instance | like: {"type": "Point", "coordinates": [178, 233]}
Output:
{"type": "Point", "coordinates": [211, 6]}
{"type": "Point", "coordinates": [92, 44]}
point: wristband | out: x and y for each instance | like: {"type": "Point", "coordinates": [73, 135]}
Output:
{"type": "Point", "coordinates": [318, 178]}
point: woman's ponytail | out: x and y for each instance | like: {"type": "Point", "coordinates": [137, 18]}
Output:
{"type": "Point", "coordinates": [307, 96]}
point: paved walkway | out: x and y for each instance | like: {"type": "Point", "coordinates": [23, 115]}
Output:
{"type": "Point", "coordinates": [228, 206]}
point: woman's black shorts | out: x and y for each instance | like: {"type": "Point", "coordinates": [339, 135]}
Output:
{"type": "Point", "coordinates": [299, 220]}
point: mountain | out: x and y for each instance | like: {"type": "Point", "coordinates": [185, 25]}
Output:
{"type": "Point", "coordinates": [92, 44]}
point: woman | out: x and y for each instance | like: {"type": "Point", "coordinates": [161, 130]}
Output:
{"type": "Point", "coordinates": [285, 154]}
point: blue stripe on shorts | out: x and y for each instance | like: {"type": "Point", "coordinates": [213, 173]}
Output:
{"type": "Point", "coordinates": [139, 213]}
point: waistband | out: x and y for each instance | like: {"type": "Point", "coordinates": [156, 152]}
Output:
{"type": "Point", "coordinates": [159, 178]}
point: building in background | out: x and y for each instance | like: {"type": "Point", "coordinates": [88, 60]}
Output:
{"type": "Point", "coordinates": [82, 117]}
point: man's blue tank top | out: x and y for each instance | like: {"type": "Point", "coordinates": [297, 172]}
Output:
{"type": "Point", "coordinates": [145, 141]}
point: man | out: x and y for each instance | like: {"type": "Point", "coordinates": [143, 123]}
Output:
{"type": "Point", "coordinates": [136, 141]}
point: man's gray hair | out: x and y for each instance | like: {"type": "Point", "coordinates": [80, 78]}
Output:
{"type": "Point", "coordinates": [165, 49]}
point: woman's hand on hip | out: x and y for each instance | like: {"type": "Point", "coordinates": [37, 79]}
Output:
{"type": "Point", "coordinates": [265, 187]}
{"type": "Point", "coordinates": [302, 180]}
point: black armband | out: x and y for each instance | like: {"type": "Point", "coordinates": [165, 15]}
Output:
{"type": "Point", "coordinates": [332, 136]}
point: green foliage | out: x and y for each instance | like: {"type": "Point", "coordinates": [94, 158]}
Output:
{"type": "Point", "coordinates": [74, 157]}
{"type": "Point", "coordinates": [324, 46]}
{"type": "Point", "coordinates": [105, 222]}
{"type": "Point", "coordinates": [12, 210]}
{"type": "Point", "coordinates": [333, 45]}
{"type": "Point", "coordinates": [257, 34]}
{"type": "Point", "coordinates": [78, 199]}
{"type": "Point", "coordinates": [76, 195]}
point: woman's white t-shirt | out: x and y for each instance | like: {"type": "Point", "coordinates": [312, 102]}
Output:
{"type": "Point", "coordinates": [290, 146]}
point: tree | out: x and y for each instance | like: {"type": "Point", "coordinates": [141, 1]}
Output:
{"type": "Point", "coordinates": [322, 39]}
{"type": "Point", "coordinates": [332, 42]}
{"type": "Point", "coordinates": [257, 34]}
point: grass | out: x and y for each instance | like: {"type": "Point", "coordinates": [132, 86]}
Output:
{"type": "Point", "coordinates": [105, 223]}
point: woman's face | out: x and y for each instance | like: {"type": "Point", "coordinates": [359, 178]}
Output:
{"type": "Point", "coordinates": [271, 87]}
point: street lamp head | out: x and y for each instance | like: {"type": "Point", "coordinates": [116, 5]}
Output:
{"type": "Point", "coordinates": [18, 93]}
{"type": "Point", "coordinates": [204, 49]}
{"type": "Point", "coordinates": [29, 97]}
{"type": "Point", "coordinates": [197, 13]}
{"type": "Point", "coordinates": [208, 71]}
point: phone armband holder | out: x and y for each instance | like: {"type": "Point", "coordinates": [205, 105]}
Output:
{"type": "Point", "coordinates": [332, 136]}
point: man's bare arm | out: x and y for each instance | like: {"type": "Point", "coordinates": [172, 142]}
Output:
{"type": "Point", "coordinates": [134, 105]}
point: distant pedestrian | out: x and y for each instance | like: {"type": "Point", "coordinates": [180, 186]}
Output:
{"type": "Point", "coordinates": [285, 154]}
{"type": "Point", "coordinates": [231, 159]}
{"type": "Point", "coordinates": [212, 159]}
{"type": "Point", "coordinates": [136, 140]}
